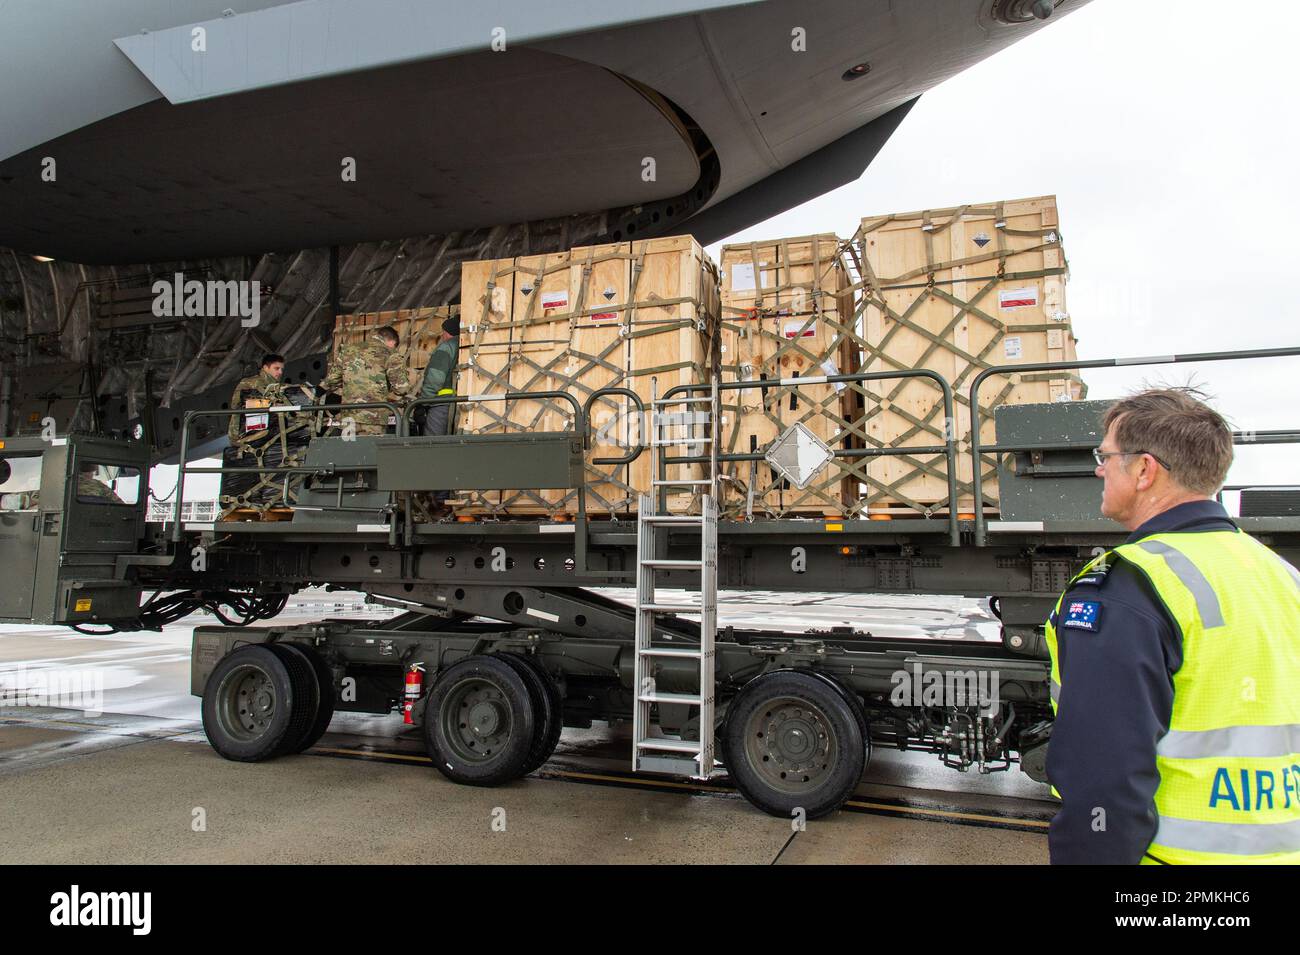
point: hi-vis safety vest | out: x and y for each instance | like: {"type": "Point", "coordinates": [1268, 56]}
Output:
{"type": "Point", "coordinates": [1230, 764]}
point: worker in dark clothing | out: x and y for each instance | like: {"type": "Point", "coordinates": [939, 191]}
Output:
{"type": "Point", "coordinates": [440, 378]}
{"type": "Point", "coordinates": [439, 382]}
{"type": "Point", "coordinates": [1151, 645]}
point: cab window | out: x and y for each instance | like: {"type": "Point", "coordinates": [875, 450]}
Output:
{"type": "Point", "coordinates": [107, 483]}
{"type": "Point", "coordinates": [20, 482]}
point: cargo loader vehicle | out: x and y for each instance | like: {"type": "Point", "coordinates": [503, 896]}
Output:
{"type": "Point", "coordinates": [502, 640]}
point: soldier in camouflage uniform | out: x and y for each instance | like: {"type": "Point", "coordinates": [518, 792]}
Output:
{"type": "Point", "coordinates": [88, 485]}
{"type": "Point", "coordinates": [264, 386]}
{"type": "Point", "coordinates": [372, 371]}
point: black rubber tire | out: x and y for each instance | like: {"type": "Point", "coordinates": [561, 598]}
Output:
{"type": "Point", "coordinates": [855, 704]}
{"type": "Point", "coordinates": [306, 697]}
{"type": "Point", "coordinates": [244, 743]}
{"type": "Point", "coordinates": [837, 719]}
{"type": "Point", "coordinates": [507, 753]}
{"type": "Point", "coordinates": [322, 693]}
{"type": "Point", "coordinates": [547, 708]}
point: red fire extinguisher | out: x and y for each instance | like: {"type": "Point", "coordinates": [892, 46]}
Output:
{"type": "Point", "coordinates": [414, 687]}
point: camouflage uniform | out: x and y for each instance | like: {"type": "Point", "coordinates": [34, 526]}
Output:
{"type": "Point", "coordinates": [370, 371]}
{"type": "Point", "coordinates": [90, 486]}
{"type": "Point", "coordinates": [262, 386]}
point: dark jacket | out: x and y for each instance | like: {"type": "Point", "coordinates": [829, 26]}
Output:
{"type": "Point", "coordinates": [1117, 696]}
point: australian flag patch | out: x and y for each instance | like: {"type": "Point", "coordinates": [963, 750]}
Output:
{"type": "Point", "coordinates": [1083, 615]}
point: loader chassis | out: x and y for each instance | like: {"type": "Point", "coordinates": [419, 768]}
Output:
{"type": "Point", "coordinates": [501, 636]}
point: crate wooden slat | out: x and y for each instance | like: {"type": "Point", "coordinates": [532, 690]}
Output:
{"type": "Point", "coordinates": [957, 290]}
{"type": "Point", "coordinates": [787, 312]}
{"type": "Point", "coordinates": [594, 317]}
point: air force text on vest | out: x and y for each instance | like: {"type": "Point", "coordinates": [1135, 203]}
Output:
{"type": "Point", "coordinates": [74, 908]}
{"type": "Point", "coordinates": [1246, 790]}
{"type": "Point", "coordinates": [177, 298]}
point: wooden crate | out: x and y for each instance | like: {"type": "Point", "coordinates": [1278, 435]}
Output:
{"type": "Point", "coordinates": [787, 312]}
{"type": "Point", "coordinates": [418, 329]}
{"type": "Point", "coordinates": [594, 317]}
{"type": "Point", "coordinates": [957, 291]}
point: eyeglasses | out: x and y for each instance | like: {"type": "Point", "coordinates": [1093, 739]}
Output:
{"type": "Point", "coordinates": [1100, 456]}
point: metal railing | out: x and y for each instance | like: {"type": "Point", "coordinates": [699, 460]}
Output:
{"type": "Point", "coordinates": [948, 448]}
{"type": "Point", "coordinates": [581, 416]}
{"type": "Point", "coordinates": [191, 416]}
{"type": "Point", "coordinates": [976, 450]}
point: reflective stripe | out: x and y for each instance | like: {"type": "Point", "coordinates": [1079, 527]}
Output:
{"type": "Point", "coordinates": [1295, 574]}
{"type": "Point", "coordinates": [1231, 838]}
{"type": "Point", "coordinates": [1207, 602]}
{"type": "Point", "coordinates": [1055, 689]}
{"type": "Point", "coordinates": [446, 391]}
{"type": "Point", "coordinates": [1231, 741]}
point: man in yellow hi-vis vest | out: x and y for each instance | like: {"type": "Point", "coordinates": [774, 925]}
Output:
{"type": "Point", "coordinates": [1175, 662]}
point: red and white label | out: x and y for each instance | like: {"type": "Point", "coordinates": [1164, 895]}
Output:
{"type": "Point", "coordinates": [796, 329]}
{"type": "Point", "coordinates": [1018, 297]}
{"type": "Point", "coordinates": [556, 299]}
{"type": "Point", "coordinates": [605, 317]}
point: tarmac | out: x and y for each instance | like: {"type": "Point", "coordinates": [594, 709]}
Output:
{"type": "Point", "coordinates": [125, 775]}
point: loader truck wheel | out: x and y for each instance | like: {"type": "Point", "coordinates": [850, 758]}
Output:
{"type": "Point", "coordinates": [479, 723]}
{"type": "Point", "coordinates": [793, 742]}
{"type": "Point", "coordinates": [547, 709]}
{"type": "Point", "coordinates": [318, 704]}
{"type": "Point", "coordinates": [253, 703]}
{"type": "Point", "coordinates": [855, 704]}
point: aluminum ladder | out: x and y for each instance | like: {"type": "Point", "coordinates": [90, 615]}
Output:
{"type": "Point", "coordinates": [651, 753]}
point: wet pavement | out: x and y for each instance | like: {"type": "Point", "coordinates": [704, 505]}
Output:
{"type": "Point", "coordinates": [124, 774]}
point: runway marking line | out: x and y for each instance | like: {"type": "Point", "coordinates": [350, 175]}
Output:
{"type": "Point", "coordinates": [955, 817]}
{"type": "Point", "coordinates": [949, 816]}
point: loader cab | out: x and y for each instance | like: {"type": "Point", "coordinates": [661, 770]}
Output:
{"type": "Point", "coordinates": [69, 507]}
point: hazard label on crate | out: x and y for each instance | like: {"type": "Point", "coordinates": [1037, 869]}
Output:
{"type": "Point", "coordinates": [1018, 297]}
{"type": "Point", "coordinates": [605, 317]}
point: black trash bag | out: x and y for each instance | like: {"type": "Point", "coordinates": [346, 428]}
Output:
{"type": "Point", "coordinates": [283, 444]}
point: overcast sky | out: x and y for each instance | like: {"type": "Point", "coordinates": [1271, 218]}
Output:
{"type": "Point", "coordinates": [1168, 133]}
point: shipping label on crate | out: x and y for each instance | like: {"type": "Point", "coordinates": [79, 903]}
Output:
{"type": "Point", "coordinates": [256, 422]}
{"type": "Point", "coordinates": [1018, 297]}
{"type": "Point", "coordinates": [742, 277]}
{"type": "Point", "coordinates": [605, 317]}
{"type": "Point", "coordinates": [559, 299]}
{"type": "Point", "coordinates": [800, 328]}
{"type": "Point", "coordinates": [1012, 347]}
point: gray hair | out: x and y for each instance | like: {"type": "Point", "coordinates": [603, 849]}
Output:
{"type": "Point", "coordinates": [1175, 425]}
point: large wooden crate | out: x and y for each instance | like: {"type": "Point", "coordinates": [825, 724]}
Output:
{"type": "Point", "coordinates": [418, 329]}
{"type": "Point", "coordinates": [957, 291]}
{"type": "Point", "coordinates": [787, 312]}
{"type": "Point", "coordinates": [593, 317]}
